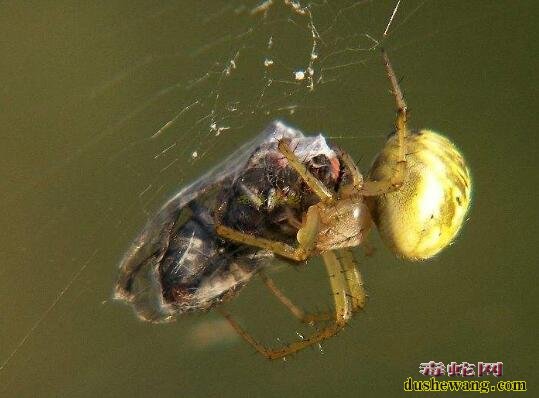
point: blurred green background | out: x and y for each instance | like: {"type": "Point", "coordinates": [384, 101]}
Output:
{"type": "Point", "coordinates": [86, 87]}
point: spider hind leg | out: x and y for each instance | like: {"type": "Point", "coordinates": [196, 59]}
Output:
{"type": "Point", "coordinates": [344, 299]}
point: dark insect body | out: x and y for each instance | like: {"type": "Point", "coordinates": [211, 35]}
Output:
{"type": "Point", "coordinates": [180, 264]}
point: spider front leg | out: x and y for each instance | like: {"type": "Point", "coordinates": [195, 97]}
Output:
{"type": "Point", "coordinates": [343, 312]}
{"type": "Point", "coordinates": [317, 186]}
{"type": "Point", "coordinates": [395, 180]}
{"type": "Point", "coordinates": [306, 238]}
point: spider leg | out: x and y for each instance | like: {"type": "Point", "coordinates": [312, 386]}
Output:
{"type": "Point", "coordinates": [394, 182]}
{"type": "Point", "coordinates": [306, 239]}
{"type": "Point", "coordinates": [343, 312]}
{"type": "Point", "coordinates": [282, 249]}
{"type": "Point", "coordinates": [356, 290]}
{"type": "Point", "coordinates": [325, 195]}
{"type": "Point", "coordinates": [353, 277]}
{"type": "Point", "coordinates": [294, 309]}
{"type": "Point", "coordinates": [357, 179]}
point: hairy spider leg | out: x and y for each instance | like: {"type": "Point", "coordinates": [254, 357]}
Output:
{"type": "Point", "coordinates": [299, 253]}
{"type": "Point", "coordinates": [374, 188]}
{"type": "Point", "coordinates": [357, 179]}
{"type": "Point", "coordinates": [354, 280]}
{"type": "Point", "coordinates": [303, 316]}
{"type": "Point", "coordinates": [343, 312]}
{"type": "Point", "coordinates": [317, 186]}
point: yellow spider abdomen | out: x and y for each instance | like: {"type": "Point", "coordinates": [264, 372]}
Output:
{"type": "Point", "coordinates": [425, 214]}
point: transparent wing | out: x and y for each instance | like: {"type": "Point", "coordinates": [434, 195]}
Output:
{"type": "Point", "coordinates": [154, 238]}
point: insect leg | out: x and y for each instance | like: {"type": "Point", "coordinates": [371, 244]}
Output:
{"type": "Point", "coordinates": [343, 312]}
{"type": "Point", "coordinates": [294, 309]}
{"type": "Point", "coordinates": [314, 183]}
{"type": "Point", "coordinates": [373, 188]}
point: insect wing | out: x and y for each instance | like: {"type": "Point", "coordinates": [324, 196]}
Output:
{"type": "Point", "coordinates": [150, 246]}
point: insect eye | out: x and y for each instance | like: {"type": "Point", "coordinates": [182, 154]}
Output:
{"type": "Point", "coordinates": [425, 215]}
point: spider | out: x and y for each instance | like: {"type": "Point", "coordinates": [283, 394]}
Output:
{"type": "Point", "coordinates": [295, 197]}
